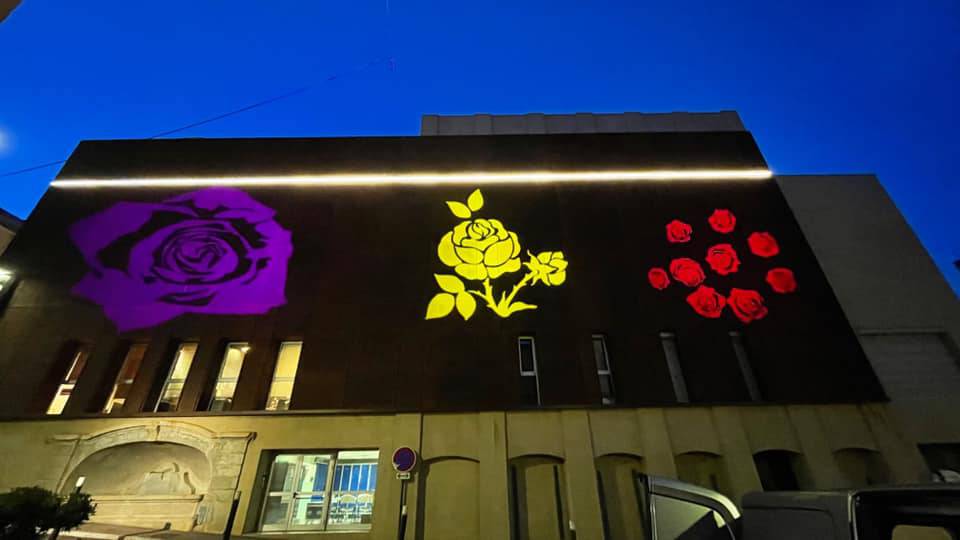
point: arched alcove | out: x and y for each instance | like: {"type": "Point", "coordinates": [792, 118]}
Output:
{"type": "Point", "coordinates": [703, 469]}
{"type": "Point", "coordinates": [144, 469]}
{"type": "Point", "coordinates": [861, 467]}
{"type": "Point", "coordinates": [448, 506]}
{"type": "Point", "coordinates": [620, 498]}
{"type": "Point", "coordinates": [538, 502]}
{"type": "Point", "coordinates": [158, 472]}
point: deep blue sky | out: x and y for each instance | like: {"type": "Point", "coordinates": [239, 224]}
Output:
{"type": "Point", "coordinates": [857, 86]}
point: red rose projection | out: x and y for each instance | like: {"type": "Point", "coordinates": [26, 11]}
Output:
{"type": "Point", "coordinates": [763, 244]}
{"type": "Point", "coordinates": [687, 271]}
{"type": "Point", "coordinates": [722, 221]}
{"type": "Point", "coordinates": [707, 302]}
{"type": "Point", "coordinates": [658, 278]}
{"type": "Point", "coordinates": [747, 305]}
{"type": "Point", "coordinates": [781, 280]}
{"type": "Point", "coordinates": [678, 232]}
{"type": "Point", "coordinates": [723, 259]}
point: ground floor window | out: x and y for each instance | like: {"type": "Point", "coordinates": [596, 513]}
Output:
{"type": "Point", "coordinates": [321, 491]}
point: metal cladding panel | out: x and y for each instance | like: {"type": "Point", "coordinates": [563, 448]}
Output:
{"type": "Point", "coordinates": [361, 271]}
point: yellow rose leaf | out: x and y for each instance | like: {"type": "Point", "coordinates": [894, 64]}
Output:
{"type": "Point", "coordinates": [466, 305]}
{"type": "Point", "coordinates": [448, 283]}
{"type": "Point", "coordinates": [475, 201]}
{"type": "Point", "coordinates": [459, 209]}
{"type": "Point", "coordinates": [440, 306]}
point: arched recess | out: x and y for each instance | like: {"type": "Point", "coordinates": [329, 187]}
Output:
{"type": "Point", "coordinates": [704, 469]}
{"type": "Point", "coordinates": [621, 498]}
{"type": "Point", "coordinates": [861, 467]}
{"type": "Point", "coordinates": [782, 470]}
{"type": "Point", "coordinates": [448, 506]}
{"type": "Point", "coordinates": [171, 469]}
{"type": "Point", "coordinates": [538, 498]}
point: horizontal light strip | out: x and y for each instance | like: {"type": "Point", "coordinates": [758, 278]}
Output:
{"type": "Point", "coordinates": [422, 178]}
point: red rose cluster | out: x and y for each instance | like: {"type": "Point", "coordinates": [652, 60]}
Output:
{"type": "Point", "coordinates": [746, 304]}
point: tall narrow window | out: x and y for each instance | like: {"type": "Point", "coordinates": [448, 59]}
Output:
{"type": "Point", "coordinates": [672, 354]}
{"type": "Point", "coordinates": [740, 350]}
{"type": "Point", "coordinates": [602, 358]}
{"type": "Point", "coordinates": [177, 376]}
{"type": "Point", "coordinates": [527, 349]}
{"type": "Point", "coordinates": [69, 381]}
{"type": "Point", "coordinates": [128, 372]}
{"type": "Point", "coordinates": [281, 389]}
{"type": "Point", "coordinates": [226, 384]}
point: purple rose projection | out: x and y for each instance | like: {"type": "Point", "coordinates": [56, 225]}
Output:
{"type": "Point", "coordinates": [214, 251]}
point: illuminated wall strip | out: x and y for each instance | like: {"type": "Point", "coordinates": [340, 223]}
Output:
{"type": "Point", "coordinates": [471, 178]}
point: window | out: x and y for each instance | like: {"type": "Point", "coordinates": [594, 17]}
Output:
{"type": "Point", "coordinates": [602, 358]}
{"type": "Point", "coordinates": [128, 372]}
{"type": "Point", "coordinates": [777, 470]}
{"type": "Point", "coordinates": [6, 281]}
{"type": "Point", "coordinates": [226, 384]}
{"type": "Point", "coordinates": [527, 350]}
{"type": "Point", "coordinates": [173, 385]}
{"type": "Point", "coordinates": [678, 518]}
{"type": "Point", "coordinates": [281, 389]}
{"type": "Point", "coordinates": [740, 350]}
{"type": "Point", "coordinates": [69, 381]}
{"type": "Point", "coordinates": [670, 351]}
{"type": "Point", "coordinates": [303, 495]}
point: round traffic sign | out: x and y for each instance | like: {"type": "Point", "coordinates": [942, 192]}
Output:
{"type": "Point", "coordinates": [404, 459]}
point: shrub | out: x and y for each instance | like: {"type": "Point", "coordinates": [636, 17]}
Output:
{"type": "Point", "coordinates": [26, 512]}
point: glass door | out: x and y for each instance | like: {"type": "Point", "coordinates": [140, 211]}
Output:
{"type": "Point", "coordinates": [296, 493]}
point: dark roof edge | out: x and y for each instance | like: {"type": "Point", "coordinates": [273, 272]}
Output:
{"type": "Point", "coordinates": [282, 156]}
{"type": "Point", "coordinates": [10, 221]}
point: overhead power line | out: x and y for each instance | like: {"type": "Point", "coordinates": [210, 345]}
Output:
{"type": "Point", "coordinates": [388, 61]}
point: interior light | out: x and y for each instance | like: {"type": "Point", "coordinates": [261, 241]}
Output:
{"type": "Point", "coordinates": [465, 177]}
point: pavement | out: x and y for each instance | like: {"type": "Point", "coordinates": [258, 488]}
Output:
{"type": "Point", "coordinates": [106, 531]}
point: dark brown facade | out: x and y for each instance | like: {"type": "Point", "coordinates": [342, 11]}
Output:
{"type": "Point", "coordinates": [362, 273]}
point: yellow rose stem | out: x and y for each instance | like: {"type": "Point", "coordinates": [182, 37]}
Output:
{"type": "Point", "coordinates": [503, 308]}
{"type": "Point", "coordinates": [523, 283]}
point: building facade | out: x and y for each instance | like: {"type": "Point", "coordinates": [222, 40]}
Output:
{"type": "Point", "coordinates": [542, 314]}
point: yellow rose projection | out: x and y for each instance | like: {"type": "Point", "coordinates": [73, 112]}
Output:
{"type": "Point", "coordinates": [483, 249]}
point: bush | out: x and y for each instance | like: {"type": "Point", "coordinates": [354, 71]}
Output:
{"type": "Point", "coordinates": [26, 512]}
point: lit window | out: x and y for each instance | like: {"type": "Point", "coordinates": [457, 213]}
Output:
{"type": "Point", "coordinates": [672, 354]}
{"type": "Point", "coordinates": [303, 495]}
{"type": "Point", "coordinates": [6, 281]}
{"type": "Point", "coordinates": [527, 349]}
{"type": "Point", "coordinates": [128, 372]}
{"type": "Point", "coordinates": [69, 381]}
{"type": "Point", "coordinates": [226, 384]}
{"type": "Point", "coordinates": [173, 385]}
{"type": "Point", "coordinates": [602, 358]}
{"type": "Point", "coordinates": [281, 389]}
{"type": "Point", "coordinates": [749, 379]}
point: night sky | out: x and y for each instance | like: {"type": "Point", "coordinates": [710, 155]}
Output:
{"type": "Point", "coordinates": [825, 87]}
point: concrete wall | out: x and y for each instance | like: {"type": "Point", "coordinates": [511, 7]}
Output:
{"type": "Point", "coordinates": [461, 489]}
{"type": "Point", "coordinates": [904, 312]}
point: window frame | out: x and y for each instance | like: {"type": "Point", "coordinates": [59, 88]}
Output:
{"type": "Point", "coordinates": [244, 348]}
{"type": "Point", "coordinates": [168, 378]}
{"type": "Point", "coordinates": [608, 372]}
{"type": "Point", "coordinates": [738, 341]}
{"type": "Point", "coordinates": [292, 379]}
{"type": "Point", "coordinates": [332, 460]}
{"type": "Point", "coordinates": [81, 355]}
{"type": "Point", "coordinates": [108, 407]}
{"type": "Point", "coordinates": [533, 354]}
{"type": "Point", "coordinates": [677, 380]}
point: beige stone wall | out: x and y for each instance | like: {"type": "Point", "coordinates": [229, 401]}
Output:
{"type": "Point", "coordinates": [463, 488]}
